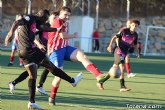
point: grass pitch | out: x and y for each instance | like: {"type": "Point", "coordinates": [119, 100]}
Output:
{"type": "Point", "coordinates": [148, 87]}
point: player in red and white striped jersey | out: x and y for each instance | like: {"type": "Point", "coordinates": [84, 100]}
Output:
{"type": "Point", "coordinates": [59, 50]}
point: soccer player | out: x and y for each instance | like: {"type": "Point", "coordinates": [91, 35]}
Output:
{"type": "Point", "coordinates": [42, 37]}
{"type": "Point", "coordinates": [32, 55]}
{"type": "Point", "coordinates": [14, 46]}
{"type": "Point", "coordinates": [127, 58]}
{"type": "Point", "coordinates": [96, 41]}
{"type": "Point", "coordinates": [59, 50]}
{"type": "Point", "coordinates": [125, 39]}
{"type": "Point", "coordinates": [44, 74]}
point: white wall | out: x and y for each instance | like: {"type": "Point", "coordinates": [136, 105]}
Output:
{"type": "Point", "coordinates": [84, 26]}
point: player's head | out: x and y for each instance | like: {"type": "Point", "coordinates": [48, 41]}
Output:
{"type": "Point", "coordinates": [43, 16]}
{"type": "Point", "coordinates": [52, 16]}
{"type": "Point", "coordinates": [134, 23]}
{"type": "Point", "coordinates": [65, 12]}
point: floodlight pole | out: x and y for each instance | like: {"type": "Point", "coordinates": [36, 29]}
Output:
{"type": "Point", "coordinates": [97, 13]}
{"type": "Point", "coordinates": [29, 6]}
{"type": "Point", "coordinates": [88, 7]}
{"type": "Point", "coordinates": [64, 2]}
{"type": "Point", "coordinates": [82, 7]}
{"type": "Point", "coordinates": [128, 9]}
{"type": "Point", "coordinates": [0, 9]}
{"type": "Point", "coordinates": [54, 4]}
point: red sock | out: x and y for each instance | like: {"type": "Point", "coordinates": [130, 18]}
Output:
{"type": "Point", "coordinates": [128, 69]}
{"type": "Point", "coordinates": [53, 92]}
{"type": "Point", "coordinates": [11, 59]}
{"type": "Point", "coordinates": [93, 69]}
{"type": "Point", "coordinates": [20, 61]}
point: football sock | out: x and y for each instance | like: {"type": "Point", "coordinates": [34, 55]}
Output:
{"type": "Point", "coordinates": [11, 59]}
{"type": "Point", "coordinates": [128, 68]}
{"type": "Point", "coordinates": [53, 92]}
{"type": "Point", "coordinates": [43, 78]}
{"type": "Point", "coordinates": [20, 78]}
{"type": "Point", "coordinates": [58, 72]}
{"type": "Point", "coordinates": [20, 61]}
{"type": "Point", "coordinates": [139, 50]}
{"type": "Point", "coordinates": [122, 83]}
{"type": "Point", "coordinates": [107, 76]}
{"type": "Point", "coordinates": [32, 88]}
{"type": "Point", "coordinates": [93, 69]}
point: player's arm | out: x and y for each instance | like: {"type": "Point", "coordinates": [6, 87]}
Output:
{"type": "Point", "coordinates": [10, 33]}
{"type": "Point", "coordinates": [47, 28]}
{"type": "Point", "coordinates": [39, 45]}
{"type": "Point", "coordinates": [65, 35]}
{"type": "Point", "coordinates": [118, 37]}
{"type": "Point", "coordinates": [12, 30]}
{"type": "Point", "coordinates": [109, 48]}
{"type": "Point", "coordinates": [136, 47]}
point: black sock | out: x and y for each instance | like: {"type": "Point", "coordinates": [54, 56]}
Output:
{"type": "Point", "coordinates": [139, 50]}
{"type": "Point", "coordinates": [58, 72]}
{"type": "Point", "coordinates": [122, 83]}
{"type": "Point", "coordinates": [43, 78]}
{"type": "Point", "coordinates": [32, 88]}
{"type": "Point", "coordinates": [20, 78]}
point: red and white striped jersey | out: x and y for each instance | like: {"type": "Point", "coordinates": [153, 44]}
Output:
{"type": "Point", "coordinates": [55, 42]}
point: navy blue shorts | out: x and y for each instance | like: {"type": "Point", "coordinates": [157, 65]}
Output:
{"type": "Point", "coordinates": [58, 56]}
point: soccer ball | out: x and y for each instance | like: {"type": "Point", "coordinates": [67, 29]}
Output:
{"type": "Point", "coordinates": [114, 72]}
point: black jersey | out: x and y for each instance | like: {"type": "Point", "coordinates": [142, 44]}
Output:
{"type": "Point", "coordinates": [43, 36]}
{"type": "Point", "coordinates": [26, 32]}
{"type": "Point", "coordinates": [126, 40]}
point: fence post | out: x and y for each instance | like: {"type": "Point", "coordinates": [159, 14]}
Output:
{"type": "Point", "coordinates": [97, 13]}
{"type": "Point", "coordinates": [89, 7]}
{"type": "Point", "coordinates": [0, 9]}
{"type": "Point", "coordinates": [128, 9]}
{"type": "Point", "coordinates": [29, 6]}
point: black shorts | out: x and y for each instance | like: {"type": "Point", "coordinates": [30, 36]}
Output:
{"type": "Point", "coordinates": [118, 59]}
{"type": "Point", "coordinates": [33, 55]}
{"type": "Point", "coordinates": [131, 50]}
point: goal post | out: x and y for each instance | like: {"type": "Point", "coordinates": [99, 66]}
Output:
{"type": "Point", "coordinates": [154, 42]}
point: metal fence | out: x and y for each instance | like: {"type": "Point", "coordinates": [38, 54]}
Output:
{"type": "Point", "coordinates": [88, 46]}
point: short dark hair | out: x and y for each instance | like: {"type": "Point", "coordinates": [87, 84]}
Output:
{"type": "Point", "coordinates": [135, 21]}
{"type": "Point", "coordinates": [65, 8]}
{"type": "Point", "coordinates": [43, 13]}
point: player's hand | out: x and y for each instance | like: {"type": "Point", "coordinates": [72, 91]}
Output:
{"type": "Point", "coordinates": [109, 49]}
{"type": "Point", "coordinates": [42, 48]}
{"type": "Point", "coordinates": [7, 40]}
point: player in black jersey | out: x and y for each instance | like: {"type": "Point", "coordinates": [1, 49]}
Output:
{"type": "Point", "coordinates": [32, 55]}
{"type": "Point", "coordinates": [125, 39]}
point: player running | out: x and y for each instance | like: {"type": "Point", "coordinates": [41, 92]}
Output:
{"type": "Point", "coordinates": [125, 39]}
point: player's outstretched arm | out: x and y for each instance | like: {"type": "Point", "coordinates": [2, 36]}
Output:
{"type": "Point", "coordinates": [49, 29]}
{"type": "Point", "coordinates": [109, 48]}
{"type": "Point", "coordinates": [65, 35]}
{"type": "Point", "coordinates": [12, 30]}
{"type": "Point", "coordinates": [10, 33]}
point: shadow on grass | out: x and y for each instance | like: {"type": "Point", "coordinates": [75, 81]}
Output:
{"type": "Point", "coordinates": [87, 100]}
